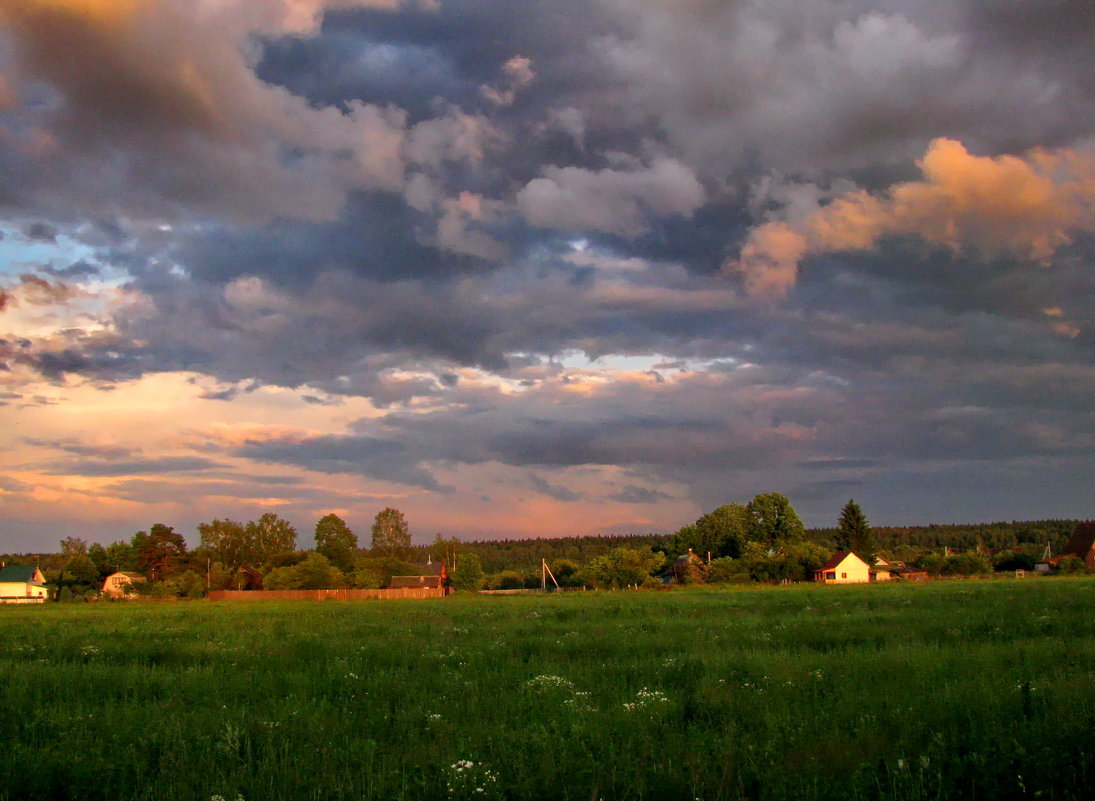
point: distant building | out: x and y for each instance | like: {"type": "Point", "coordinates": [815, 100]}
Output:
{"type": "Point", "coordinates": [689, 568]}
{"type": "Point", "coordinates": [22, 584]}
{"type": "Point", "coordinates": [885, 570]}
{"type": "Point", "coordinates": [119, 585]}
{"type": "Point", "coordinates": [844, 568]}
{"type": "Point", "coordinates": [433, 574]}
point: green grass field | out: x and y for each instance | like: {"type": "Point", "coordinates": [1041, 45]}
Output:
{"type": "Point", "coordinates": [947, 690]}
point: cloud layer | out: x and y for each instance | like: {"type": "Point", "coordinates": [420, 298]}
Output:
{"type": "Point", "coordinates": [567, 266]}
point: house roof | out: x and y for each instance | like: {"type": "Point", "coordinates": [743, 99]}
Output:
{"type": "Point", "coordinates": [127, 575]}
{"type": "Point", "coordinates": [15, 574]}
{"type": "Point", "coordinates": [837, 558]}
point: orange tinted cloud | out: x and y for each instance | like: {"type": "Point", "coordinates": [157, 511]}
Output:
{"type": "Point", "coordinates": [1029, 206]}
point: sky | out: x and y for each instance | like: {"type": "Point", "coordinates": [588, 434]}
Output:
{"type": "Point", "coordinates": [543, 268]}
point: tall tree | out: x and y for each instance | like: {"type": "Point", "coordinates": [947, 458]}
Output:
{"type": "Point", "coordinates": [722, 532]}
{"type": "Point", "coordinates": [114, 557]}
{"type": "Point", "coordinates": [159, 551]}
{"type": "Point", "coordinates": [73, 546]}
{"type": "Point", "coordinates": [774, 520]}
{"type": "Point", "coordinates": [336, 541]}
{"type": "Point", "coordinates": [391, 536]}
{"type": "Point", "coordinates": [468, 574]}
{"type": "Point", "coordinates": [80, 569]}
{"type": "Point", "coordinates": [270, 535]}
{"type": "Point", "coordinates": [228, 542]}
{"type": "Point", "coordinates": [853, 532]}
{"type": "Point", "coordinates": [445, 550]}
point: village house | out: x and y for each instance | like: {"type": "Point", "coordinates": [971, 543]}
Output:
{"type": "Point", "coordinates": [22, 584]}
{"type": "Point", "coordinates": [885, 570]}
{"type": "Point", "coordinates": [120, 585]}
{"type": "Point", "coordinates": [844, 568]}
{"type": "Point", "coordinates": [433, 574]}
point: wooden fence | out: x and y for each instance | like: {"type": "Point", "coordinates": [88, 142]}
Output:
{"type": "Point", "coordinates": [326, 595]}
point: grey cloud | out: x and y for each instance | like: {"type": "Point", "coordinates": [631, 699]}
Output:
{"type": "Point", "coordinates": [555, 491]}
{"type": "Point", "coordinates": [847, 86]}
{"type": "Point", "coordinates": [166, 491]}
{"type": "Point", "coordinates": [79, 448]}
{"type": "Point", "coordinates": [40, 232]}
{"type": "Point", "coordinates": [77, 271]}
{"type": "Point", "coordinates": [97, 468]}
{"type": "Point", "coordinates": [613, 201]}
{"type": "Point", "coordinates": [14, 485]}
{"type": "Point", "coordinates": [384, 459]}
{"type": "Point", "coordinates": [633, 493]}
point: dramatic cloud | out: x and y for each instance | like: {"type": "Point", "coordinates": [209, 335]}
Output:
{"type": "Point", "coordinates": [153, 105]}
{"type": "Point", "coordinates": [499, 264]}
{"type": "Point", "coordinates": [1028, 206]}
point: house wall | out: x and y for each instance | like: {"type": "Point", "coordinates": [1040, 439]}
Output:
{"type": "Point", "coordinates": [850, 571]}
{"type": "Point", "coordinates": [21, 592]}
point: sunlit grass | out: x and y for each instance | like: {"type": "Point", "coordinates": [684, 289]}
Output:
{"type": "Point", "coordinates": [948, 690]}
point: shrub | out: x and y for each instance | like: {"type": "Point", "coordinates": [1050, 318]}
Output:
{"type": "Point", "coordinates": [1071, 564]}
{"type": "Point", "coordinates": [966, 564]}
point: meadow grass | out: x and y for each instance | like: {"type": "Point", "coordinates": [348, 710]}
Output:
{"type": "Point", "coordinates": [963, 689]}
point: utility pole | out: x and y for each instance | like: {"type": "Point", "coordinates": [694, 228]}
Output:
{"type": "Point", "coordinates": [545, 571]}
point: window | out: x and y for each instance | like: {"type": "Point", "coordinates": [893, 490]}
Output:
{"type": "Point", "coordinates": [844, 575]}
{"type": "Point", "coordinates": [830, 576]}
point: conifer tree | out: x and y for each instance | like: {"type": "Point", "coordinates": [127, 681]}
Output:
{"type": "Point", "coordinates": [853, 532]}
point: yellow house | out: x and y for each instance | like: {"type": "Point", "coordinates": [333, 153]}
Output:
{"type": "Point", "coordinates": [885, 570]}
{"type": "Point", "coordinates": [844, 568]}
{"type": "Point", "coordinates": [22, 584]}
{"type": "Point", "coordinates": [119, 585]}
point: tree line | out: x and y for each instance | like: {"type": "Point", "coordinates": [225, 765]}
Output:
{"type": "Point", "coordinates": [761, 540]}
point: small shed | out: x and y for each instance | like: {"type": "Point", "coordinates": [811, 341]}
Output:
{"type": "Point", "coordinates": [22, 584]}
{"type": "Point", "coordinates": [844, 568]}
{"type": "Point", "coordinates": [120, 584]}
{"type": "Point", "coordinates": [689, 568]}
